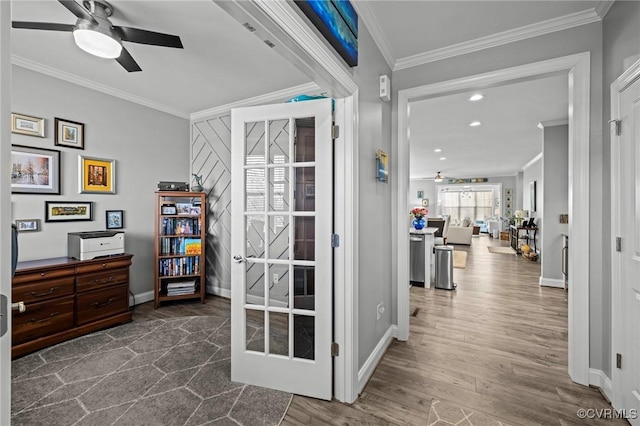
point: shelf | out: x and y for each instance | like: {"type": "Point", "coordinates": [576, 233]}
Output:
{"type": "Point", "coordinates": [165, 298]}
{"type": "Point", "coordinates": [186, 216]}
{"type": "Point", "coordinates": [179, 235]}
{"type": "Point", "coordinates": [173, 256]}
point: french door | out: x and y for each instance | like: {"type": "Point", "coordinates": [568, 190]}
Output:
{"type": "Point", "coordinates": [281, 226]}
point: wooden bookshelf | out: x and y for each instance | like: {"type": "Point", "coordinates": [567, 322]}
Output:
{"type": "Point", "coordinates": [179, 246]}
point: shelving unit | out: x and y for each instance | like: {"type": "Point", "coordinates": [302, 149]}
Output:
{"type": "Point", "coordinates": [180, 239]}
{"type": "Point", "coordinates": [519, 233]}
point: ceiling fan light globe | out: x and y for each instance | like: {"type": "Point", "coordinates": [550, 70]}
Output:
{"type": "Point", "coordinates": [97, 43]}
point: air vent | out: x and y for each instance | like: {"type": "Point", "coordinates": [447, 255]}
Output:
{"type": "Point", "coordinates": [268, 43]}
{"type": "Point", "coordinates": [249, 27]}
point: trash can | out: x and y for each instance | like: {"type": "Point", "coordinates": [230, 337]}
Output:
{"type": "Point", "coordinates": [444, 268]}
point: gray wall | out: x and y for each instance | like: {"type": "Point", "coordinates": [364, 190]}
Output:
{"type": "Point", "coordinates": [621, 44]}
{"type": "Point", "coordinates": [555, 200]}
{"type": "Point", "coordinates": [531, 174]}
{"type": "Point", "coordinates": [147, 145]}
{"type": "Point", "coordinates": [375, 282]}
{"type": "Point", "coordinates": [585, 38]}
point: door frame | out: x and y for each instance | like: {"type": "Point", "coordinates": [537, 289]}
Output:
{"type": "Point", "coordinates": [294, 39]}
{"type": "Point", "coordinates": [577, 67]}
{"type": "Point", "coordinates": [617, 336]}
{"type": "Point", "coordinates": [5, 205]}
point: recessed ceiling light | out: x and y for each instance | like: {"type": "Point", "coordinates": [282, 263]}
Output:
{"type": "Point", "coordinates": [443, 158]}
{"type": "Point", "coordinates": [475, 123]}
{"type": "Point", "coordinates": [437, 150]}
{"type": "Point", "coordinates": [476, 97]}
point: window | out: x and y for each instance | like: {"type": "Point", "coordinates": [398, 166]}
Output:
{"type": "Point", "coordinates": [475, 205]}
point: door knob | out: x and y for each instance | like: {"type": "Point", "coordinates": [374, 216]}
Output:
{"type": "Point", "coordinates": [238, 259]}
{"type": "Point", "coordinates": [19, 306]}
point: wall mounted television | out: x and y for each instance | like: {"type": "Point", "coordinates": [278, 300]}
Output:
{"type": "Point", "coordinates": [337, 21]}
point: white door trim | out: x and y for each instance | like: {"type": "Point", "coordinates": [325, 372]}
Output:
{"type": "Point", "coordinates": [293, 38]}
{"type": "Point", "coordinates": [578, 68]}
{"type": "Point", "coordinates": [5, 205]}
{"type": "Point", "coordinates": [617, 335]}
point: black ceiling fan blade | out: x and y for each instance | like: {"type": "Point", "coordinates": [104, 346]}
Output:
{"type": "Point", "coordinates": [128, 63]}
{"type": "Point", "coordinates": [78, 10]}
{"type": "Point", "coordinates": [135, 35]}
{"type": "Point", "coordinates": [42, 26]}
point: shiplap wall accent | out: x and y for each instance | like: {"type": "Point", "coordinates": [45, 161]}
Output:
{"type": "Point", "coordinates": [211, 158]}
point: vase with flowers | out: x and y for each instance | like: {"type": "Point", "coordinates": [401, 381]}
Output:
{"type": "Point", "coordinates": [419, 214]}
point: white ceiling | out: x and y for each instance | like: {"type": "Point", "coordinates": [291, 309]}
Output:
{"type": "Point", "coordinates": [222, 63]}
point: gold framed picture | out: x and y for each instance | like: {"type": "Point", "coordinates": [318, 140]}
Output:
{"type": "Point", "coordinates": [96, 175]}
{"type": "Point", "coordinates": [27, 125]}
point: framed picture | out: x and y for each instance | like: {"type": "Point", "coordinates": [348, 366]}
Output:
{"type": "Point", "coordinates": [508, 198]}
{"type": "Point", "coordinates": [508, 191]}
{"type": "Point", "coordinates": [532, 195]}
{"type": "Point", "coordinates": [169, 209]}
{"type": "Point", "coordinates": [67, 211]}
{"type": "Point", "coordinates": [382, 166]}
{"type": "Point", "coordinates": [69, 133]}
{"type": "Point", "coordinates": [420, 194]}
{"type": "Point", "coordinates": [507, 205]}
{"type": "Point", "coordinates": [425, 202]}
{"type": "Point", "coordinates": [96, 175]}
{"type": "Point", "coordinates": [27, 125]}
{"type": "Point", "coordinates": [507, 213]}
{"type": "Point", "coordinates": [310, 190]}
{"type": "Point", "coordinates": [34, 170]}
{"type": "Point", "coordinates": [115, 219]}
{"type": "Point", "coordinates": [28, 225]}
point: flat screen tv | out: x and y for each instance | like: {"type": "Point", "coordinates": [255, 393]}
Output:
{"type": "Point", "coordinates": [337, 21]}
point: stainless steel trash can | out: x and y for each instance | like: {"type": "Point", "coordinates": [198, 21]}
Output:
{"type": "Point", "coordinates": [417, 259]}
{"type": "Point", "coordinates": [444, 268]}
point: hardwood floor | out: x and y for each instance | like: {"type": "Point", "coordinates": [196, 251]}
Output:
{"type": "Point", "coordinates": [492, 352]}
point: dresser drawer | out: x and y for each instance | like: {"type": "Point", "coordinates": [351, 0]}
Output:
{"type": "Point", "coordinates": [31, 277]}
{"type": "Point", "coordinates": [42, 319]}
{"type": "Point", "coordinates": [101, 279]}
{"type": "Point", "coordinates": [102, 265]}
{"type": "Point", "coordinates": [98, 304]}
{"type": "Point", "coordinates": [41, 291]}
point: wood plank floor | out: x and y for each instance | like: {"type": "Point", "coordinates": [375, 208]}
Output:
{"type": "Point", "coordinates": [492, 352]}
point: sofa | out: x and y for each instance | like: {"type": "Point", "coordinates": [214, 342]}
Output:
{"type": "Point", "coordinates": [459, 235]}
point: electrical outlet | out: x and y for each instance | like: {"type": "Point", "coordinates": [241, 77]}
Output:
{"type": "Point", "coordinates": [379, 310]}
{"type": "Point", "coordinates": [276, 278]}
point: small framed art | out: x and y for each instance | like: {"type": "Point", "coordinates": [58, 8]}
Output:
{"type": "Point", "coordinates": [28, 225]}
{"type": "Point", "coordinates": [68, 211]}
{"type": "Point", "coordinates": [27, 125]}
{"type": "Point", "coordinates": [69, 133]}
{"type": "Point", "coordinates": [115, 219]}
{"type": "Point", "coordinates": [96, 175]}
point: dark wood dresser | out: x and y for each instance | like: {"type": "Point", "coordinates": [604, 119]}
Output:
{"type": "Point", "coordinates": [66, 298]}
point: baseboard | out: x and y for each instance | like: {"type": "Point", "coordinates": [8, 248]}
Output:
{"type": "Point", "coordinates": [218, 291]}
{"type": "Point", "coordinates": [372, 362]}
{"type": "Point", "coordinates": [139, 298]}
{"type": "Point", "coordinates": [599, 379]}
{"type": "Point", "coordinates": [551, 282]}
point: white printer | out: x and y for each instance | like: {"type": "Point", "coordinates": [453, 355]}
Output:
{"type": "Point", "coordinates": [89, 245]}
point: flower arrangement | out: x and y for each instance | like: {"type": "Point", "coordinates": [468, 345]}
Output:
{"type": "Point", "coordinates": [419, 212]}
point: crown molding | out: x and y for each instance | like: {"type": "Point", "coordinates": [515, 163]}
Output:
{"type": "Point", "coordinates": [551, 123]}
{"type": "Point", "coordinates": [371, 22]}
{"type": "Point", "coordinates": [80, 81]}
{"type": "Point", "coordinates": [603, 7]}
{"type": "Point", "coordinates": [532, 162]}
{"type": "Point", "coordinates": [257, 100]}
{"type": "Point", "coordinates": [528, 31]}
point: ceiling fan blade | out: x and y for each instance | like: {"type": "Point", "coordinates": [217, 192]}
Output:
{"type": "Point", "coordinates": [78, 10]}
{"type": "Point", "coordinates": [136, 35]}
{"type": "Point", "coordinates": [42, 26]}
{"type": "Point", "coordinates": [128, 63]}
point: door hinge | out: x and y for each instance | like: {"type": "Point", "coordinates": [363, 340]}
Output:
{"type": "Point", "coordinates": [618, 360]}
{"type": "Point", "coordinates": [335, 132]}
{"type": "Point", "coordinates": [618, 243]}
{"type": "Point", "coordinates": [618, 124]}
{"type": "Point", "coordinates": [335, 240]}
{"type": "Point", "coordinates": [335, 349]}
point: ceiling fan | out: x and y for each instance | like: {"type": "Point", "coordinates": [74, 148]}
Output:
{"type": "Point", "coordinates": [94, 33]}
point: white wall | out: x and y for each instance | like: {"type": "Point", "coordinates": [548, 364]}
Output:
{"type": "Point", "coordinates": [533, 173]}
{"type": "Point", "coordinates": [555, 198]}
{"type": "Point", "coordinates": [147, 145]}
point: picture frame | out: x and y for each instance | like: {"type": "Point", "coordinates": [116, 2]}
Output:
{"type": "Point", "coordinates": [425, 202]}
{"type": "Point", "coordinates": [507, 205]}
{"type": "Point", "coordinates": [382, 166]}
{"type": "Point", "coordinates": [27, 125]}
{"type": "Point", "coordinates": [169, 209]}
{"type": "Point", "coordinates": [68, 211]}
{"type": "Point", "coordinates": [508, 191]}
{"type": "Point", "coordinates": [34, 170]}
{"type": "Point", "coordinates": [69, 133]}
{"type": "Point", "coordinates": [96, 175]}
{"type": "Point", "coordinates": [532, 195]}
{"type": "Point", "coordinates": [420, 194]}
{"type": "Point", "coordinates": [508, 198]}
{"type": "Point", "coordinates": [28, 225]}
{"type": "Point", "coordinates": [114, 219]}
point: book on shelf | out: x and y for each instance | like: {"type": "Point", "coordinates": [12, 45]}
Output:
{"type": "Point", "coordinates": [177, 288]}
{"type": "Point", "coordinates": [181, 226]}
{"type": "Point", "coordinates": [175, 267]}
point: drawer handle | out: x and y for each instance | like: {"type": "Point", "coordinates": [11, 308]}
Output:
{"type": "Point", "coordinates": [34, 294]}
{"type": "Point", "coordinates": [97, 281]}
{"type": "Point", "coordinates": [102, 305]}
{"type": "Point", "coordinates": [38, 321]}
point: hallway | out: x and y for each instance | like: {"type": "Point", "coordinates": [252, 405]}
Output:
{"type": "Point", "coordinates": [493, 352]}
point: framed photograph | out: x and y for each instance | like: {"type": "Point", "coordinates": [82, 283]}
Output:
{"type": "Point", "coordinates": [425, 202]}
{"type": "Point", "coordinates": [96, 175]}
{"type": "Point", "coordinates": [27, 125]}
{"type": "Point", "coordinates": [508, 198]}
{"type": "Point", "coordinates": [420, 194]}
{"type": "Point", "coordinates": [507, 213]}
{"type": "Point", "coordinates": [169, 209]}
{"type": "Point", "coordinates": [507, 205]}
{"type": "Point", "coordinates": [310, 190]}
{"type": "Point", "coordinates": [382, 166]}
{"type": "Point", "coordinates": [115, 219]}
{"type": "Point", "coordinates": [67, 211]}
{"type": "Point", "coordinates": [69, 133]}
{"type": "Point", "coordinates": [28, 225]}
{"type": "Point", "coordinates": [508, 191]}
{"type": "Point", "coordinates": [34, 170]}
